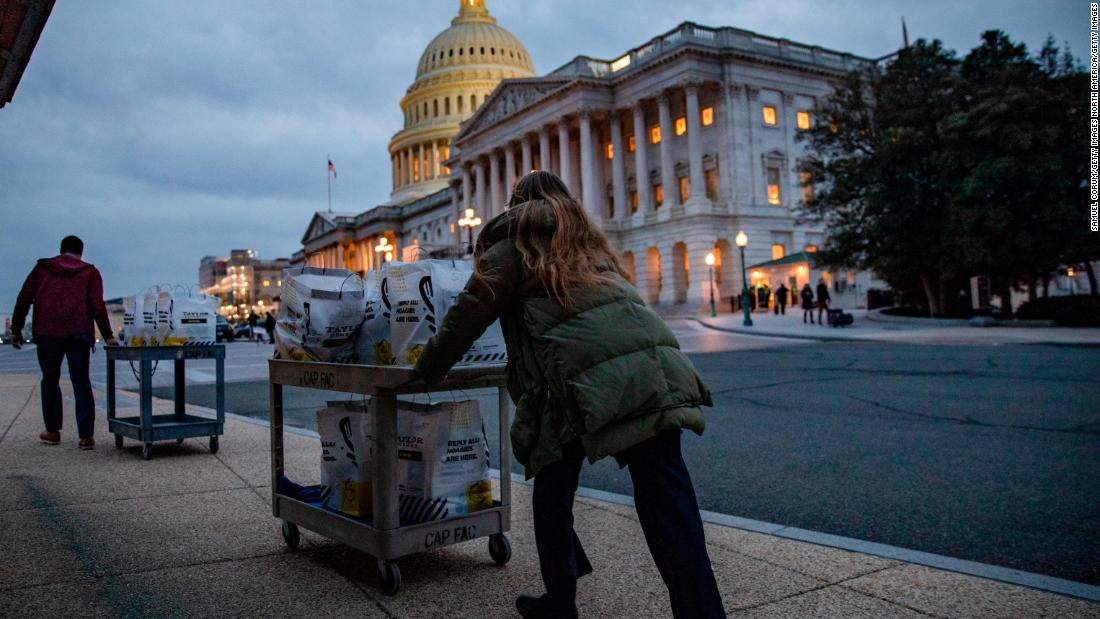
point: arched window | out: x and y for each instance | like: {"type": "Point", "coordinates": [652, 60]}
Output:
{"type": "Point", "coordinates": [492, 51]}
{"type": "Point", "coordinates": [450, 53]}
{"type": "Point", "coordinates": [473, 102]}
{"type": "Point", "coordinates": [446, 106]}
{"type": "Point", "coordinates": [459, 99]}
{"type": "Point", "coordinates": [483, 51]}
{"type": "Point", "coordinates": [460, 51]}
{"type": "Point", "coordinates": [471, 51]}
{"type": "Point", "coordinates": [435, 108]}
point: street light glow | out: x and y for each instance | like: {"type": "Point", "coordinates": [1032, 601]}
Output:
{"type": "Point", "coordinates": [742, 239]}
{"type": "Point", "coordinates": [710, 259]}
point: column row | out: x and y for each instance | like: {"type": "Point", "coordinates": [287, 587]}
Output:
{"type": "Point", "coordinates": [420, 162]}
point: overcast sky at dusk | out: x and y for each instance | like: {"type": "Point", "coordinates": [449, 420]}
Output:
{"type": "Point", "coordinates": [160, 132]}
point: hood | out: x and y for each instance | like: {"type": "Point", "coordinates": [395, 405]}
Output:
{"type": "Point", "coordinates": [504, 225]}
{"type": "Point", "coordinates": [64, 265]}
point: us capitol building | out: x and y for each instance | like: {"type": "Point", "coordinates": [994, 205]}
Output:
{"type": "Point", "coordinates": [674, 147]}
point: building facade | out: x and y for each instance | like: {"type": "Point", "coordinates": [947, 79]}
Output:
{"type": "Point", "coordinates": [673, 148]}
{"type": "Point", "coordinates": [244, 283]}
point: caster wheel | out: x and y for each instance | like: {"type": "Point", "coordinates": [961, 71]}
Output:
{"type": "Point", "coordinates": [118, 441]}
{"type": "Point", "coordinates": [213, 444]}
{"type": "Point", "coordinates": [147, 451]}
{"type": "Point", "coordinates": [179, 441]}
{"type": "Point", "coordinates": [389, 576]}
{"type": "Point", "coordinates": [291, 535]}
{"type": "Point", "coordinates": [500, 549]}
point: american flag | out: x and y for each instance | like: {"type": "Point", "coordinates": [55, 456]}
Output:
{"type": "Point", "coordinates": [332, 168]}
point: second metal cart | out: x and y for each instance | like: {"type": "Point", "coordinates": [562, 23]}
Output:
{"type": "Point", "coordinates": [147, 427]}
{"type": "Point", "coordinates": [384, 538]}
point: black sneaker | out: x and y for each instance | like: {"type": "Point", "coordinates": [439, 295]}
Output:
{"type": "Point", "coordinates": [531, 607]}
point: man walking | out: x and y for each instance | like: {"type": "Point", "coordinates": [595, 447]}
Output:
{"type": "Point", "coordinates": [822, 300]}
{"type": "Point", "coordinates": [67, 294]}
{"type": "Point", "coordinates": [781, 299]}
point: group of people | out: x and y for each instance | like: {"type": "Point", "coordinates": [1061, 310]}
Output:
{"type": "Point", "coordinates": [268, 325]}
{"type": "Point", "coordinates": [806, 296]}
{"type": "Point", "coordinates": [546, 271]}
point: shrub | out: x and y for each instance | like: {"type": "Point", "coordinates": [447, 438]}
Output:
{"type": "Point", "coordinates": [1071, 311]}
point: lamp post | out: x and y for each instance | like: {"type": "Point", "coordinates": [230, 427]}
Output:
{"type": "Point", "coordinates": [469, 222]}
{"type": "Point", "coordinates": [742, 241]}
{"type": "Point", "coordinates": [384, 249]}
{"type": "Point", "coordinates": [710, 267]}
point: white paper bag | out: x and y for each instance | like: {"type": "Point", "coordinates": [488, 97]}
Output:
{"type": "Point", "coordinates": [443, 461]}
{"type": "Point", "coordinates": [149, 316]}
{"type": "Point", "coordinates": [344, 428]}
{"type": "Point", "coordinates": [133, 323]}
{"type": "Point", "coordinates": [185, 318]}
{"type": "Point", "coordinates": [320, 315]}
{"type": "Point", "coordinates": [373, 346]}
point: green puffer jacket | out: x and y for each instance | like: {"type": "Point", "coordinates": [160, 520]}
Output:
{"type": "Point", "coordinates": [609, 370]}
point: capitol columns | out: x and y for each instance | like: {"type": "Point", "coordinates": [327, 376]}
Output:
{"type": "Point", "coordinates": [493, 207]}
{"type": "Point", "coordinates": [564, 165]}
{"type": "Point", "coordinates": [435, 158]}
{"type": "Point", "coordinates": [526, 144]}
{"type": "Point", "coordinates": [698, 197]}
{"type": "Point", "coordinates": [467, 189]}
{"type": "Point", "coordinates": [481, 207]}
{"type": "Point", "coordinates": [590, 192]}
{"type": "Point", "coordinates": [618, 170]}
{"type": "Point", "coordinates": [422, 170]}
{"type": "Point", "coordinates": [544, 149]}
{"type": "Point", "coordinates": [409, 157]}
{"type": "Point", "coordinates": [668, 171]}
{"type": "Point", "coordinates": [509, 172]}
{"type": "Point", "coordinates": [641, 163]}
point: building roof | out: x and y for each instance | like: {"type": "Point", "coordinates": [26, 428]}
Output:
{"type": "Point", "coordinates": [794, 258]}
{"type": "Point", "coordinates": [21, 23]}
{"type": "Point", "coordinates": [474, 29]}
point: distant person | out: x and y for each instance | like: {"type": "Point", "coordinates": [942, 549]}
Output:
{"type": "Point", "coordinates": [781, 299]}
{"type": "Point", "coordinates": [540, 268]}
{"type": "Point", "coordinates": [67, 295]}
{"type": "Point", "coordinates": [269, 326]}
{"type": "Point", "coordinates": [253, 320]}
{"type": "Point", "coordinates": [807, 303]}
{"type": "Point", "coordinates": [822, 300]}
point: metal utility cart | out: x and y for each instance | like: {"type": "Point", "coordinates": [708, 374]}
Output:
{"type": "Point", "coordinates": [384, 538]}
{"type": "Point", "coordinates": [178, 425]}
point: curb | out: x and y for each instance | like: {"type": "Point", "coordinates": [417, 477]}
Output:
{"type": "Point", "coordinates": [789, 336]}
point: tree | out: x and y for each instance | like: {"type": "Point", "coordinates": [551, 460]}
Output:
{"type": "Point", "coordinates": [930, 170]}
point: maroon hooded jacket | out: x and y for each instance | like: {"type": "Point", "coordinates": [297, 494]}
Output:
{"type": "Point", "coordinates": [67, 294]}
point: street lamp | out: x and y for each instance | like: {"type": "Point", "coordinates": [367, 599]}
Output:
{"type": "Point", "coordinates": [384, 249]}
{"type": "Point", "coordinates": [469, 222]}
{"type": "Point", "coordinates": [1072, 275]}
{"type": "Point", "coordinates": [710, 267]}
{"type": "Point", "coordinates": [742, 241]}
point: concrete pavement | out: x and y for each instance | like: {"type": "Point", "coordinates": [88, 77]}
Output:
{"type": "Point", "coordinates": [792, 326]}
{"type": "Point", "coordinates": [191, 534]}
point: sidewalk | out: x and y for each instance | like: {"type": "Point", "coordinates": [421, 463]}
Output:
{"type": "Point", "coordinates": [791, 326]}
{"type": "Point", "coordinates": [191, 534]}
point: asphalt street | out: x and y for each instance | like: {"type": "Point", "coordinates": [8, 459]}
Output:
{"type": "Point", "coordinates": [987, 453]}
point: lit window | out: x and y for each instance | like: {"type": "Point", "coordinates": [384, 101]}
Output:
{"type": "Point", "coordinates": [708, 116]}
{"type": "Point", "coordinates": [621, 63]}
{"type": "Point", "coordinates": [655, 135]}
{"type": "Point", "coordinates": [711, 179]}
{"type": "Point", "coordinates": [610, 150]}
{"type": "Point", "coordinates": [773, 185]}
{"type": "Point", "coordinates": [658, 195]}
{"type": "Point", "coordinates": [630, 144]}
{"type": "Point", "coordinates": [803, 120]}
{"type": "Point", "coordinates": [807, 189]}
{"type": "Point", "coordinates": [811, 248]}
{"type": "Point", "coordinates": [681, 126]}
{"type": "Point", "coordinates": [769, 115]}
{"type": "Point", "coordinates": [267, 283]}
{"type": "Point", "coordinates": [633, 201]}
{"type": "Point", "coordinates": [778, 251]}
{"type": "Point", "coordinates": [685, 189]}
{"type": "Point", "coordinates": [279, 283]}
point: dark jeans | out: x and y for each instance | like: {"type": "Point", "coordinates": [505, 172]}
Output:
{"type": "Point", "coordinates": [77, 350]}
{"type": "Point", "coordinates": [667, 510]}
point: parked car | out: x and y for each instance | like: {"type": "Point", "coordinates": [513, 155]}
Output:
{"type": "Point", "coordinates": [242, 331]}
{"type": "Point", "coordinates": [223, 329]}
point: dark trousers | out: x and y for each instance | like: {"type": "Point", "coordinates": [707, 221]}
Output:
{"type": "Point", "coordinates": [77, 350]}
{"type": "Point", "coordinates": [667, 510]}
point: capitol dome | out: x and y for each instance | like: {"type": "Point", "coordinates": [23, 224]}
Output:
{"type": "Point", "coordinates": [456, 72]}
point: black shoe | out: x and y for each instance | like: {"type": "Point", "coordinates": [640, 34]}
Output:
{"type": "Point", "coordinates": [531, 607]}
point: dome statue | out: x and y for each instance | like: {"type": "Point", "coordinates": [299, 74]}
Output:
{"type": "Point", "coordinates": [456, 72]}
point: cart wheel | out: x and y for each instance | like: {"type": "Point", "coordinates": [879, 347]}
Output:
{"type": "Point", "coordinates": [213, 444]}
{"type": "Point", "coordinates": [118, 441]}
{"type": "Point", "coordinates": [291, 535]}
{"type": "Point", "coordinates": [147, 451]}
{"type": "Point", "coordinates": [390, 577]}
{"type": "Point", "coordinates": [500, 549]}
{"type": "Point", "coordinates": [179, 441]}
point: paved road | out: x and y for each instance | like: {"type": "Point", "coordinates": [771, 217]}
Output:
{"type": "Point", "coordinates": [988, 453]}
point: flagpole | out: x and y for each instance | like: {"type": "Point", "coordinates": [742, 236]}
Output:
{"type": "Point", "coordinates": [328, 179]}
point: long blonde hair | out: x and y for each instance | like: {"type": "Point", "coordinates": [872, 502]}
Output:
{"type": "Point", "coordinates": [579, 254]}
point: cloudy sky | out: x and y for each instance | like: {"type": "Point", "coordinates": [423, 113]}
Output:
{"type": "Point", "coordinates": [160, 131]}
